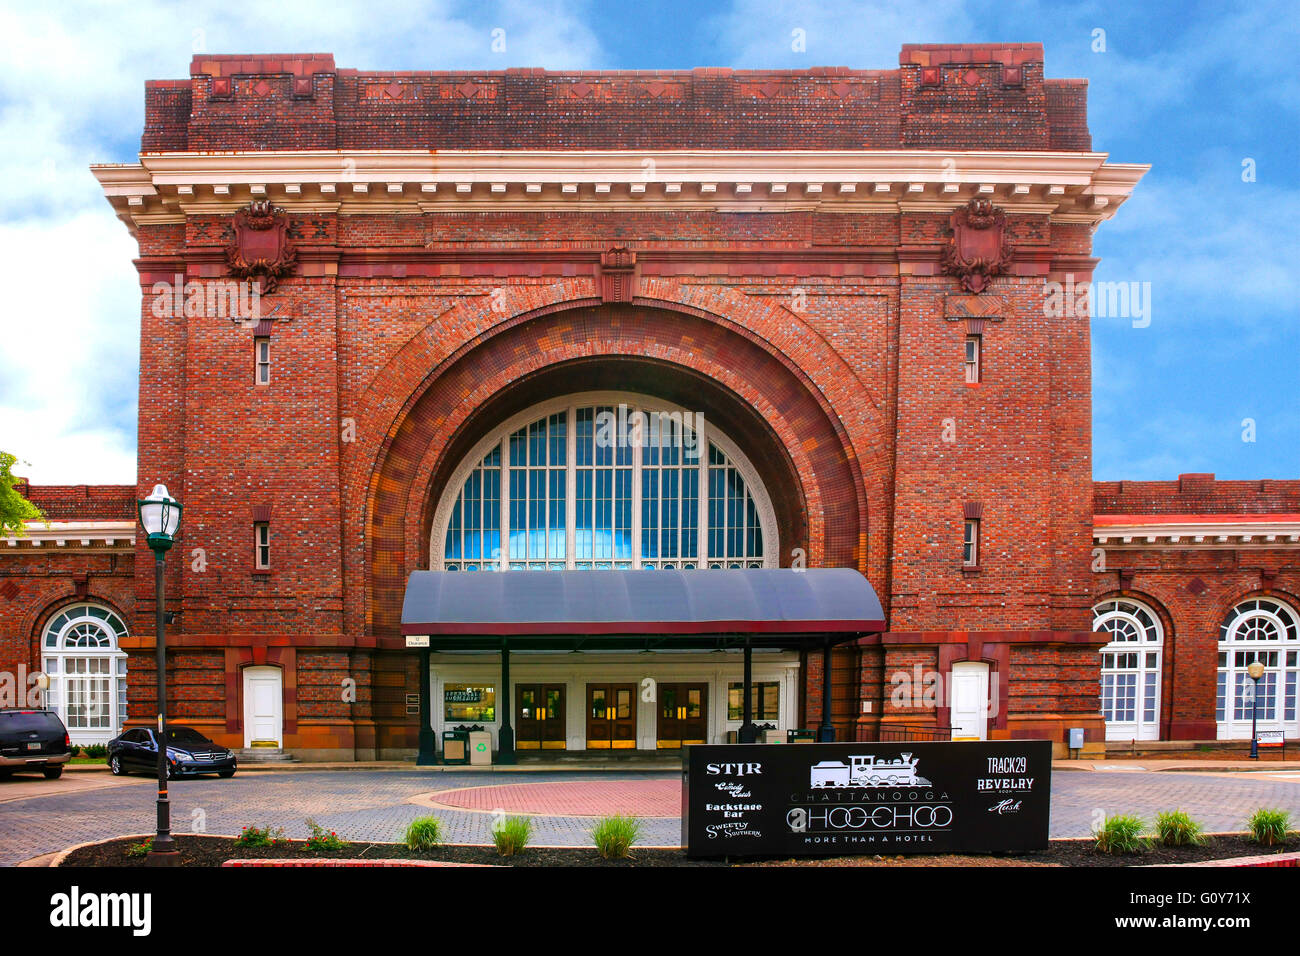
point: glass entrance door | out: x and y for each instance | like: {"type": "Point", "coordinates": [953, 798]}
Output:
{"type": "Point", "coordinates": [539, 717]}
{"type": "Point", "coordinates": [611, 716]}
{"type": "Point", "coordinates": [683, 714]}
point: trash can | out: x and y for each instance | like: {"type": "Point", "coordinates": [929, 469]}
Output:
{"type": "Point", "coordinates": [773, 737]}
{"type": "Point", "coordinates": [455, 746]}
{"type": "Point", "coordinates": [800, 736]}
{"type": "Point", "coordinates": [480, 748]}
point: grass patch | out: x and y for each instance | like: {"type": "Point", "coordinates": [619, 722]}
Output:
{"type": "Point", "coordinates": [511, 835]}
{"type": "Point", "coordinates": [1120, 834]}
{"type": "Point", "coordinates": [423, 833]}
{"type": "Point", "coordinates": [1176, 828]}
{"type": "Point", "coordinates": [614, 836]}
{"type": "Point", "coordinates": [1270, 827]}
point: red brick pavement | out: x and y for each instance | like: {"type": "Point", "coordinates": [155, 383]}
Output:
{"type": "Point", "coordinates": [571, 798]}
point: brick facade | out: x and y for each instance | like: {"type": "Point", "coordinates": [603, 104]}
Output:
{"type": "Point", "coordinates": [816, 327]}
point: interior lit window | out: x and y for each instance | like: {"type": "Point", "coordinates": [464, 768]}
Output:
{"type": "Point", "coordinates": [610, 482]}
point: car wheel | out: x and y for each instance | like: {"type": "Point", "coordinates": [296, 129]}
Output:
{"type": "Point", "coordinates": [225, 774]}
{"type": "Point", "coordinates": [115, 765]}
{"type": "Point", "coordinates": [52, 773]}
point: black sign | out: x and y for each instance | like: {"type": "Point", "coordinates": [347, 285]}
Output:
{"type": "Point", "coordinates": [843, 799]}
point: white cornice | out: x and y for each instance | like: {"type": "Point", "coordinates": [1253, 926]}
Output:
{"type": "Point", "coordinates": [1079, 185]}
{"type": "Point", "coordinates": [1180, 534]}
{"type": "Point", "coordinates": [71, 535]}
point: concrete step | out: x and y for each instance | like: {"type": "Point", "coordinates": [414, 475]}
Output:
{"type": "Point", "coordinates": [264, 755]}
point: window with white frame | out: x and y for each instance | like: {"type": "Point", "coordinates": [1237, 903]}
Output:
{"type": "Point", "coordinates": [81, 653]}
{"type": "Point", "coordinates": [604, 480]}
{"type": "Point", "coordinates": [262, 360]}
{"type": "Point", "coordinates": [970, 548]}
{"type": "Point", "coordinates": [974, 347]}
{"type": "Point", "coordinates": [261, 545]}
{"type": "Point", "coordinates": [1130, 669]}
{"type": "Point", "coordinates": [1267, 631]}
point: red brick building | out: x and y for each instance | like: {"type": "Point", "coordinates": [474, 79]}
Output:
{"type": "Point", "coordinates": [828, 288]}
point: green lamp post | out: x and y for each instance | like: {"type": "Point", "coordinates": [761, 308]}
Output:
{"type": "Point", "coordinates": [160, 516]}
{"type": "Point", "coordinates": [1255, 671]}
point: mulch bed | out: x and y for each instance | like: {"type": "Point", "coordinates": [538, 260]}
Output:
{"type": "Point", "coordinates": [213, 851]}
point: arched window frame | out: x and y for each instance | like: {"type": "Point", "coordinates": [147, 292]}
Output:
{"type": "Point", "coordinates": [87, 681]}
{"type": "Point", "coordinates": [1265, 629]}
{"type": "Point", "coordinates": [1131, 668]}
{"type": "Point", "coordinates": [500, 435]}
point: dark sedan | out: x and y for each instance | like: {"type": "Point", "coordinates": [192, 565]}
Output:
{"type": "Point", "coordinates": [188, 753]}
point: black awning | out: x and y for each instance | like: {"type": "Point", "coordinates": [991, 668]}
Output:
{"type": "Point", "coordinates": [772, 606]}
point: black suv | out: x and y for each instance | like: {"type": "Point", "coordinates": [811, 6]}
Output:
{"type": "Point", "coordinates": [33, 740]}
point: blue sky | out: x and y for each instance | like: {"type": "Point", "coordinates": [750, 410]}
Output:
{"type": "Point", "coordinates": [1193, 89]}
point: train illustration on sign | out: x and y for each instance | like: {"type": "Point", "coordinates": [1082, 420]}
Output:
{"type": "Point", "coordinates": [866, 771]}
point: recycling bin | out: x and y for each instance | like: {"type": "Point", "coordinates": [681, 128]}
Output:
{"type": "Point", "coordinates": [800, 736]}
{"type": "Point", "coordinates": [480, 748]}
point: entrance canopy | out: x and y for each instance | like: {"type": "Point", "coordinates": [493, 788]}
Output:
{"type": "Point", "coordinates": [634, 610]}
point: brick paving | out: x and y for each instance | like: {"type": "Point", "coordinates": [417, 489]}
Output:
{"type": "Point", "coordinates": [641, 798]}
{"type": "Point", "coordinates": [375, 805]}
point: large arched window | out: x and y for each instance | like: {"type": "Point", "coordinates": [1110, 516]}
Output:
{"type": "Point", "coordinates": [1130, 669]}
{"type": "Point", "coordinates": [604, 480]}
{"type": "Point", "coordinates": [81, 652]}
{"type": "Point", "coordinates": [1267, 631]}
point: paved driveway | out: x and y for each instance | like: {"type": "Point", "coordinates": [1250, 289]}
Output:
{"type": "Point", "coordinates": [375, 805]}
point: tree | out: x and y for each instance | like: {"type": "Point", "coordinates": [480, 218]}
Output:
{"type": "Point", "coordinates": [14, 508]}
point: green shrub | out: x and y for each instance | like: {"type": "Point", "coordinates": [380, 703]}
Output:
{"type": "Point", "coordinates": [615, 835]}
{"type": "Point", "coordinates": [259, 836]}
{"type": "Point", "coordinates": [140, 849]}
{"type": "Point", "coordinates": [511, 835]}
{"type": "Point", "coordinates": [94, 751]}
{"type": "Point", "coordinates": [322, 839]}
{"type": "Point", "coordinates": [424, 833]}
{"type": "Point", "coordinates": [1270, 827]}
{"type": "Point", "coordinates": [1120, 834]}
{"type": "Point", "coordinates": [1176, 828]}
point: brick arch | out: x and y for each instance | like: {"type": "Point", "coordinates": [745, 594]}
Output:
{"type": "Point", "coordinates": [1256, 594]}
{"type": "Point", "coordinates": [39, 614]}
{"type": "Point", "coordinates": [768, 404]}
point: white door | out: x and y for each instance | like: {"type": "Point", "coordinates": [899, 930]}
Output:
{"type": "Point", "coordinates": [263, 717]}
{"type": "Point", "coordinates": [970, 700]}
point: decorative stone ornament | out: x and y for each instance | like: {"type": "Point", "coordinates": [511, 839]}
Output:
{"type": "Point", "coordinates": [262, 247]}
{"type": "Point", "coordinates": [617, 275]}
{"type": "Point", "coordinates": [978, 248]}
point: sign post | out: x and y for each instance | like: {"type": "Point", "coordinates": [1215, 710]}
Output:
{"type": "Point", "coordinates": [846, 799]}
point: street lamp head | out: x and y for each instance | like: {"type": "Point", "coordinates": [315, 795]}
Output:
{"type": "Point", "coordinates": [1255, 670]}
{"type": "Point", "coordinates": [160, 514]}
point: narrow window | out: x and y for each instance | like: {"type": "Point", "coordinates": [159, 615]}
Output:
{"type": "Point", "coordinates": [261, 544]}
{"type": "Point", "coordinates": [262, 359]}
{"type": "Point", "coordinates": [971, 544]}
{"type": "Point", "coordinates": [973, 349]}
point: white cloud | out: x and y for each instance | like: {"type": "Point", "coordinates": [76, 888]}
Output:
{"type": "Point", "coordinates": [757, 34]}
{"type": "Point", "coordinates": [72, 93]}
